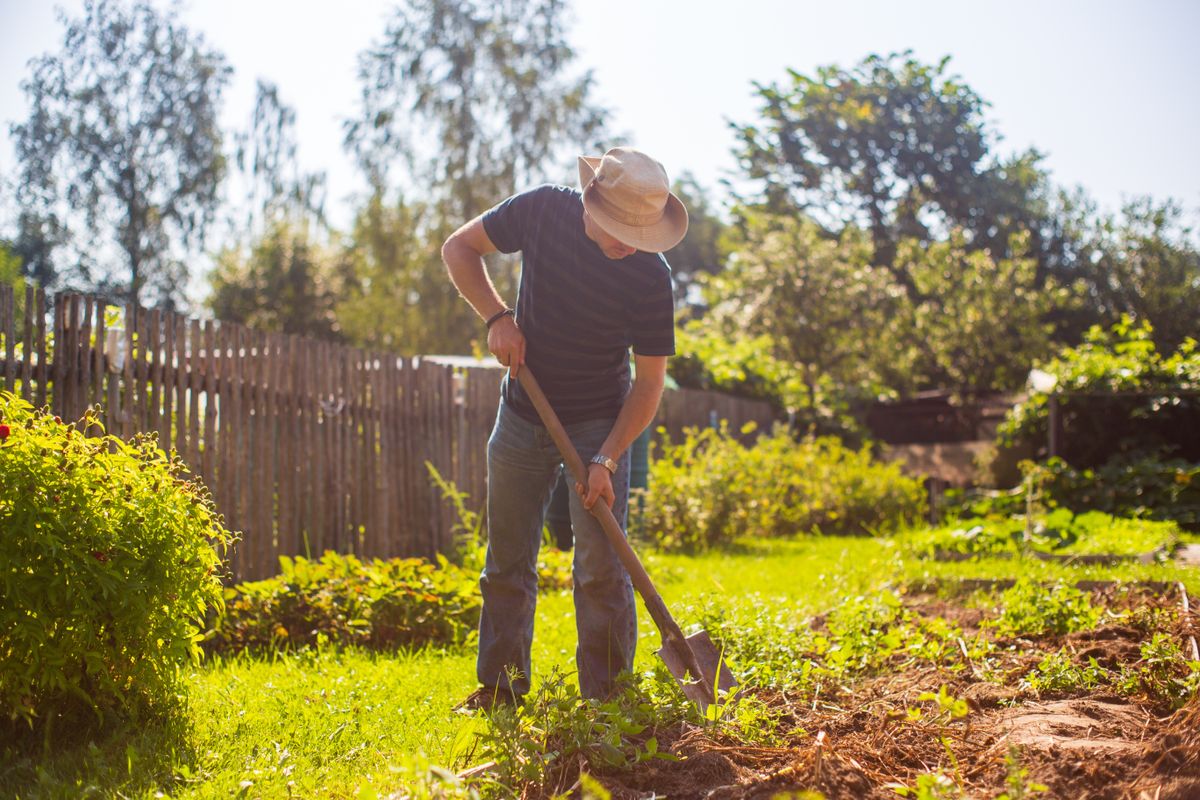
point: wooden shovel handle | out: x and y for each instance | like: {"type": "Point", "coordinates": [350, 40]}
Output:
{"type": "Point", "coordinates": [667, 627]}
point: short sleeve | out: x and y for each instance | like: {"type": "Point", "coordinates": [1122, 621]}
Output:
{"type": "Point", "coordinates": [653, 324]}
{"type": "Point", "coordinates": [509, 223]}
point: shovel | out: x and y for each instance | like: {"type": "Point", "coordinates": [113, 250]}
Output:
{"type": "Point", "coordinates": [696, 655]}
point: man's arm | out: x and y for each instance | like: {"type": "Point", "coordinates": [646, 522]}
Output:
{"type": "Point", "coordinates": [463, 255]}
{"type": "Point", "coordinates": [640, 407]}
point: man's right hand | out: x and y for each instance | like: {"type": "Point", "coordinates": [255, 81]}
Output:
{"type": "Point", "coordinates": [507, 344]}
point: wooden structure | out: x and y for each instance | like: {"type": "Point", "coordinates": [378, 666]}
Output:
{"type": "Point", "coordinates": [305, 445]}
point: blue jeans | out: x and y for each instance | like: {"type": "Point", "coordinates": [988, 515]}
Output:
{"type": "Point", "coordinates": [522, 468]}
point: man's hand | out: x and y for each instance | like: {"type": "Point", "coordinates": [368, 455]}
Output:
{"type": "Point", "coordinates": [599, 486]}
{"type": "Point", "coordinates": [507, 343]}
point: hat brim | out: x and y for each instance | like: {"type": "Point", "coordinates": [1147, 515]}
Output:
{"type": "Point", "coordinates": [657, 238]}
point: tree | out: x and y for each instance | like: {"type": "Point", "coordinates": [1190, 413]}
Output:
{"type": "Point", "coordinates": [901, 149]}
{"type": "Point", "coordinates": [266, 164]}
{"type": "Point", "coordinates": [284, 281]}
{"type": "Point", "coordinates": [478, 99]}
{"type": "Point", "coordinates": [120, 158]}
{"type": "Point", "coordinates": [820, 300]}
{"type": "Point", "coordinates": [982, 323]}
{"type": "Point", "coordinates": [1144, 262]}
{"type": "Point", "coordinates": [703, 251]}
{"type": "Point", "coordinates": [397, 296]}
{"type": "Point", "coordinates": [12, 274]}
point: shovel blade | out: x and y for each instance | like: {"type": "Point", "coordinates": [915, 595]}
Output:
{"type": "Point", "coordinates": [712, 666]}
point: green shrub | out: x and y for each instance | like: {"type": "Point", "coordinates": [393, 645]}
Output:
{"type": "Point", "coordinates": [1059, 533]}
{"type": "Point", "coordinates": [108, 564]}
{"type": "Point", "coordinates": [1126, 486]}
{"type": "Point", "coordinates": [747, 367]}
{"type": "Point", "coordinates": [340, 600]}
{"type": "Point", "coordinates": [709, 489]}
{"type": "Point", "coordinates": [1132, 487]}
{"type": "Point", "coordinates": [1117, 396]}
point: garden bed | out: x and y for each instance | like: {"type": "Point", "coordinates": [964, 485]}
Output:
{"type": "Point", "coordinates": [1087, 713]}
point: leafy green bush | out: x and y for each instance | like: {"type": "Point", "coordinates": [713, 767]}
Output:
{"type": "Point", "coordinates": [709, 489]}
{"type": "Point", "coordinates": [1060, 533]}
{"type": "Point", "coordinates": [1148, 487]}
{"type": "Point", "coordinates": [1134, 487]}
{"type": "Point", "coordinates": [400, 602]}
{"type": "Point", "coordinates": [1117, 396]}
{"type": "Point", "coordinates": [747, 367]}
{"type": "Point", "coordinates": [108, 564]}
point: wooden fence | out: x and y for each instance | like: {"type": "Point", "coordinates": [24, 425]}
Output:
{"type": "Point", "coordinates": [305, 445]}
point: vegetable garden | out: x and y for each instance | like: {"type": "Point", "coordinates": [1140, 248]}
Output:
{"type": "Point", "coordinates": [1047, 654]}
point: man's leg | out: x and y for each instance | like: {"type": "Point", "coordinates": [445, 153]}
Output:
{"type": "Point", "coordinates": [605, 610]}
{"type": "Point", "coordinates": [520, 475]}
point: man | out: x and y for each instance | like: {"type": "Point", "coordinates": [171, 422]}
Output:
{"type": "Point", "coordinates": [593, 285]}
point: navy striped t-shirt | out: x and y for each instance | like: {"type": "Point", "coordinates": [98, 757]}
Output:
{"type": "Point", "coordinates": [579, 310]}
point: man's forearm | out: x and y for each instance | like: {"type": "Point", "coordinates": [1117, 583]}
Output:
{"type": "Point", "coordinates": [638, 412]}
{"type": "Point", "coordinates": [470, 277]}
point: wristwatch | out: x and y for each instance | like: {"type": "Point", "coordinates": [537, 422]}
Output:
{"type": "Point", "coordinates": [605, 462]}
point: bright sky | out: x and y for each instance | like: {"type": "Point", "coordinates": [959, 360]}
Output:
{"type": "Point", "coordinates": [1107, 89]}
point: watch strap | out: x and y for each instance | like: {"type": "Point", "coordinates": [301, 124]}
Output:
{"type": "Point", "coordinates": [605, 462]}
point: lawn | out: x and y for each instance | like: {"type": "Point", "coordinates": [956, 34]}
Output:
{"type": "Point", "coordinates": [357, 724]}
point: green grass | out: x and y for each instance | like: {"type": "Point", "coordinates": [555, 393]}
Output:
{"type": "Point", "coordinates": [355, 724]}
{"type": "Point", "coordinates": [1060, 534]}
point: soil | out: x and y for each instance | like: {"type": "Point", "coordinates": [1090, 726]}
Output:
{"type": "Point", "coordinates": [857, 742]}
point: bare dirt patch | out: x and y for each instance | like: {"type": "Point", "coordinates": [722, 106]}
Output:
{"type": "Point", "coordinates": [859, 740]}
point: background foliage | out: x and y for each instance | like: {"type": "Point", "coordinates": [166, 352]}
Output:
{"type": "Point", "coordinates": [709, 489]}
{"type": "Point", "coordinates": [1117, 395]}
{"type": "Point", "coordinates": [340, 600]}
{"type": "Point", "coordinates": [110, 558]}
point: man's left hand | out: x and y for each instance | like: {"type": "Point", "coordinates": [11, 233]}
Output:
{"type": "Point", "coordinates": [599, 486]}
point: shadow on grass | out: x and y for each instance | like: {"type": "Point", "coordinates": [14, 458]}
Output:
{"type": "Point", "coordinates": [84, 759]}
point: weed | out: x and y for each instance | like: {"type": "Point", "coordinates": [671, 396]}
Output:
{"type": "Point", "coordinates": [468, 530]}
{"type": "Point", "coordinates": [1058, 673]}
{"type": "Point", "coordinates": [1030, 609]}
{"type": "Point", "coordinates": [554, 728]}
{"type": "Point", "coordinates": [1163, 674]}
{"type": "Point", "coordinates": [1016, 780]}
{"type": "Point", "coordinates": [931, 786]}
{"type": "Point", "coordinates": [949, 707]}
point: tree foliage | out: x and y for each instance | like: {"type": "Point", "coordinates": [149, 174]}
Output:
{"type": "Point", "coordinates": [284, 281]}
{"type": "Point", "coordinates": [982, 321]}
{"type": "Point", "coordinates": [397, 296]}
{"type": "Point", "coordinates": [477, 99]}
{"type": "Point", "coordinates": [901, 149]}
{"type": "Point", "coordinates": [121, 157]}
{"type": "Point", "coordinates": [704, 250]}
{"type": "Point", "coordinates": [266, 164]}
{"type": "Point", "coordinates": [821, 300]}
{"type": "Point", "coordinates": [1145, 263]}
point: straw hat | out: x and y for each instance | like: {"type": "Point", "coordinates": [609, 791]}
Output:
{"type": "Point", "coordinates": [627, 194]}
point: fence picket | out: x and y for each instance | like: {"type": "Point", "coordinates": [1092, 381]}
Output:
{"type": "Point", "coordinates": [8, 331]}
{"type": "Point", "coordinates": [304, 445]}
{"type": "Point", "coordinates": [31, 297]}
